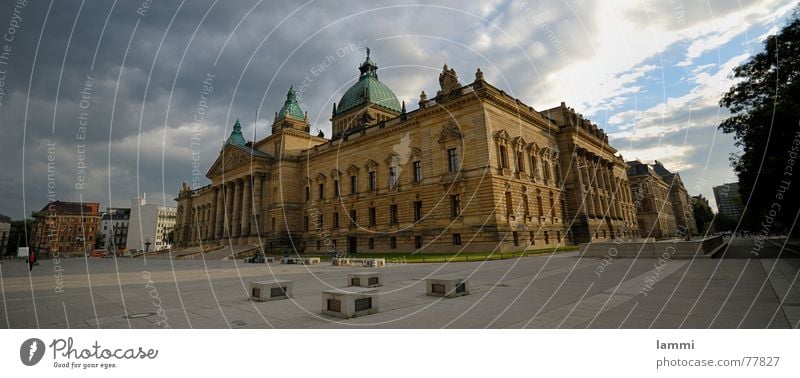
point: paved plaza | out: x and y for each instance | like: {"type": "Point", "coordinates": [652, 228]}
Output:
{"type": "Point", "coordinates": [548, 291]}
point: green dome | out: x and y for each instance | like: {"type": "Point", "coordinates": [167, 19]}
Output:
{"type": "Point", "coordinates": [290, 107]}
{"type": "Point", "coordinates": [368, 90]}
{"type": "Point", "coordinates": [236, 135]}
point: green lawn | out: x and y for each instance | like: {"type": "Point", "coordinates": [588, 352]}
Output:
{"type": "Point", "coordinates": [460, 257]}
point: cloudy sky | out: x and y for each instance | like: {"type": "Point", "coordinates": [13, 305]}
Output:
{"type": "Point", "coordinates": [121, 99]}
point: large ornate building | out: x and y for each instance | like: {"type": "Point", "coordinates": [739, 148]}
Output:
{"type": "Point", "coordinates": [472, 169]}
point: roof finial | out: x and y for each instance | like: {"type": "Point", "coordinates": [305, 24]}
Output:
{"type": "Point", "coordinates": [367, 52]}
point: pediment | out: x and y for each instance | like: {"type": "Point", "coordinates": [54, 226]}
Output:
{"type": "Point", "coordinates": [502, 135]}
{"type": "Point", "coordinates": [229, 159]}
{"type": "Point", "coordinates": [370, 164]}
{"type": "Point", "coordinates": [450, 130]}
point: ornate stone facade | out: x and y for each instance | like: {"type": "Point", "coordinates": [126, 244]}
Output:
{"type": "Point", "coordinates": [472, 169]}
{"type": "Point", "coordinates": [653, 197]}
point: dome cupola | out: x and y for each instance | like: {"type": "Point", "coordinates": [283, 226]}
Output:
{"type": "Point", "coordinates": [368, 91]}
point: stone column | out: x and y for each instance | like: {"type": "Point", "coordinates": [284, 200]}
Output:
{"type": "Point", "coordinates": [220, 210]}
{"type": "Point", "coordinates": [247, 209]}
{"type": "Point", "coordinates": [229, 189]}
{"type": "Point", "coordinates": [617, 194]}
{"type": "Point", "coordinates": [602, 170]}
{"type": "Point", "coordinates": [581, 192]}
{"type": "Point", "coordinates": [598, 201]}
{"type": "Point", "coordinates": [237, 208]}
{"type": "Point", "coordinates": [209, 223]}
{"type": "Point", "coordinates": [257, 203]}
{"type": "Point", "coordinates": [587, 180]}
{"type": "Point", "coordinates": [212, 221]}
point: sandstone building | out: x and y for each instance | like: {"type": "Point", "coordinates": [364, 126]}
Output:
{"type": "Point", "coordinates": [653, 205]}
{"type": "Point", "coordinates": [663, 205]}
{"type": "Point", "coordinates": [471, 168]}
{"type": "Point", "coordinates": [680, 199]}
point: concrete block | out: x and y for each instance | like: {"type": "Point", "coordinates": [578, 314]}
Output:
{"type": "Point", "coordinates": [364, 279]}
{"type": "Point", "coordinates": [270, 290]}
{"type": "Point", "coordinates": [448, 287]}
{"type": "Point", "coordinates": [350, 302]}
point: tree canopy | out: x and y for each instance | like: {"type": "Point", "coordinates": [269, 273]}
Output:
{"type": "Point", "coordinates": [765, 121]}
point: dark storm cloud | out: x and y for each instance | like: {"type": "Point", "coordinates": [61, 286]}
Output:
{"type": "Point", "coordinates": [137, 88]}
{"type": "Point", "coordinates": [147, 73]}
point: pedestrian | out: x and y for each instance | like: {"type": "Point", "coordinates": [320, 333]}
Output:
{"type": "Point", "coordinates": [31, 259]}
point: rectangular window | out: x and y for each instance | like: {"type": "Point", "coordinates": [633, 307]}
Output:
{"type": "Point", "coordinates": [319, 245]}
{"type": "Point", "coordinates": [321, 222]}
{"type": "Point", "coordinates": [392, 177]}
{"type": "Point", "coordinates": [321, 191]}
{"type": "Point", "coordinates": [455, 206]}
{"type": "Point", "coordinates": [452, 160]}
{"type": "Point", "coordinates": [520, 162]}
{"type": "Point", "coordinates": [456, 239]}
{"type": "Point", "coordinates": [273, 224]}
{"type": "Point", "coordinates": [308, 194]}
{"type": "Point", "coordinates": [417, 211]}
{"type": "Point", "coordinates": [509, 204]}
{"type": "Point", "coordinates": [335, 220]}
{"type": "Point", "coordinates": [515, 235]}
{"type": "Point", "coordinates": [393, 218]}
{"type": "Point", "coordinates": [305, 223]}
{"type": "Point", "coordinates": [373, 218]}
{"type": "Point", "coordinates": [373, 181]}
{"type": "Point", "coordinates": [371, 243]}
{"type": "Point", "coordinates": [353, 184]}
{"type": "Point", "coordinates": [353, 221]}
{"type": "Point", "coordinates": [503, 157]}
{"type": "Point", "coordinates": [336, 189]}
{"type": "Point", "coordinates": [418, 171]}
{"type": "Point", "coordinates": [418, 241]}
{"type": "Point", "coordinates": [532, 236]}
{"type": "Point", "coordinates": [393, 242]}
{"type": "Point", "coordinates": [525, 206]}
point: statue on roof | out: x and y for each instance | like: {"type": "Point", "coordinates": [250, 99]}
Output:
{"type": "Point", "coordinates": [448, 80]}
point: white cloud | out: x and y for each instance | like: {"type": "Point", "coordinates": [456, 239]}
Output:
{"type": "Point", "coordinates": [675, 114]}
{"type": "Point", "coordinates": [674, 157]}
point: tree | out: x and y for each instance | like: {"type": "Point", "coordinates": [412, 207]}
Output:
{"type": "Point", "coordinates": [723, 222]}
{"type": "Point", "coordinates": [703, 215]}
{"type": "Point", "coordinates": [19, 236]}
{"type": "Point", "coordinates": [764, 110]}
{"type": "Point", "coordinates": [99, 240]}
{"type": "Point", "coordinates": [170, 238]}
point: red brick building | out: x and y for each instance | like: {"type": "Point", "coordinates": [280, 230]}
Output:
{"type": "Point", "coordinates": [66, 228]}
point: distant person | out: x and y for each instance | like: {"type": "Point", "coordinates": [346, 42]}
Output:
{"type": "Point", "coordinates": [31, 260]}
